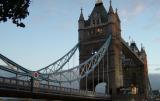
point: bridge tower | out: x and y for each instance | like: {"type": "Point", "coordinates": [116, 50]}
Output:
{"type": "Point", "coordinates": [93, 32]}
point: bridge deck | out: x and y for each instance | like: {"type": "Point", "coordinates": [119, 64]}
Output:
{"type": "Point", "coordinates": [22, 89]}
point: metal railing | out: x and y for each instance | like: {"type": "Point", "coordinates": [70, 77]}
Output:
{"type": "Point", "coordinates": [15, 84]}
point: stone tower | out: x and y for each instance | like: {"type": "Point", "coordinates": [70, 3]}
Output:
{"type": "Point", "coordinates": [93, 32]}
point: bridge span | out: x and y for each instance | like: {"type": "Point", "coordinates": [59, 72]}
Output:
{"type": "Point", "coordinates": [23, 89]}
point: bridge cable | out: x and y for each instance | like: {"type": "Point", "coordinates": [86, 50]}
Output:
{"type": "Point", "coordinates": [59, 64]}
{"type": "Point", "coordinates": [90, 64]}
{"type": "Point", "coordinates": [103, 68]}
{"type": "Point", "coordinates": [48, 81]}
{"type": "Point", "coordinates": [60, 80]}
{"type": "Point", "coordinates": [107, 73]}
{"type": "Point", "coordinates": [93, 79]}
{"type": "Point", "coordinates": [98, 73]}
{"type": "Point", "coordinates": [11, 63]}
{"type": "Point", "coordinates": [69, 73]}
{"type": "Point", "coordinates": [86, 82]}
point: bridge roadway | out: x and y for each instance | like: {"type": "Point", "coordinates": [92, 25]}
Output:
{"type": "Point", "coordinates": [22, 89]}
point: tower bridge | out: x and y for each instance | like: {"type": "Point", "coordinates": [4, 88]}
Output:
{"type": "Point", "coordinates": [104, 57]}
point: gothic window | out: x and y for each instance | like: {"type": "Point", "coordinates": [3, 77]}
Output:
{"type": "Point", "coordinates": [93, 22]}
{"type": "Point", "coordinates": [99, 30]}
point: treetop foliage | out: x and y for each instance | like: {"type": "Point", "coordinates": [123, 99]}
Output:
{"type": "Point", "coordinates": [16, 10]}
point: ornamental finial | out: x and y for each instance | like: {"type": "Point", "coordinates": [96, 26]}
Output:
{"type": "Point", "coordinates": [110, 2]}
{"type": "Point", "coordinates": [98, 1]}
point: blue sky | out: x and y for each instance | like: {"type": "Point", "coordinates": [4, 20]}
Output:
{"type": "Point", "coordinates": [52, 30]}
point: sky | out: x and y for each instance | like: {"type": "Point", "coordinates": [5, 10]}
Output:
{"type": "Point", "coordinates": [52, 30]}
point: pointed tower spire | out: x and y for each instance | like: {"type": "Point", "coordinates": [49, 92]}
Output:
{"type": "Point", "coordinates": [117, 15]}
{"type": "Point", "coordinates": [142, 48]}
{"type": "Point", "coordinates": [81, 18]}
{"type": "Point", "coordinates": [116, 10]}
{"type": "Point", "coordinates": [110, 8]}
{"type": "Point", "coordinates": [81, 10]}
{"type": "Point", "coordinates": [110, 2]}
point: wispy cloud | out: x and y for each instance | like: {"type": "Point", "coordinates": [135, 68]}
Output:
{"type": "Point", "coordinates": [156, 40]}
{"type": "Point", "coordinates": [153, 23]}
{"type": "Point", "coordinates": [138, 9]}
{"type": "Point", "coordinates": [132, 11]}
{"type": "Point", "coordinates": [157, 15]}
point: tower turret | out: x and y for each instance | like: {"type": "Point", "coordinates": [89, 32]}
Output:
{"type": "Point", "coordinates": [117, 16]}
{"type": "Point", "coordinates": [111, 8]}
{"type": "Point", "coordinates": [118, 22]}
{"type": "Point", "coordinates": [134, 47]}
{"type": "Point", "coordinates": [143, 54]}
{"type": "Point", "coordinates": [111, 14]}
{"type": "Point", "coordinates": [81, 20]}
{"type": "Point", "coordinates": [112, 21]}
{"type": "Point", "coordinates": [115, 50]}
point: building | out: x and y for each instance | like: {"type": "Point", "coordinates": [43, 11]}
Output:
{"type": "Point", "coordinates": [125, 66]}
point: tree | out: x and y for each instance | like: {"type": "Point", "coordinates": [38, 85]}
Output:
{"type": "Point", "coordinates": [16, 10]}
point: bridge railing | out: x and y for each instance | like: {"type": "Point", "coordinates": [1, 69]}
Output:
{"type": "Point", "coordinates": [65, 90]}
{"type": "Point", "coordinates": [21, 85]}
{"type": "Point", "coordinates": [8, 83]}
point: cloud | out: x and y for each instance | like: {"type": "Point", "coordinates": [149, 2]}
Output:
{"type": "Point", "coordinates": [133, 10]}
{"type": "Point", "coordinates": [156, 40]}
{"type": "Point", "coordinates": [153, 23]}
{"type": "Point", "coordinates": [138, 9]}
{"type": "Point", "coordinates": [157, 15]}
{"type": "Point", "coordinates": [157, 69]}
